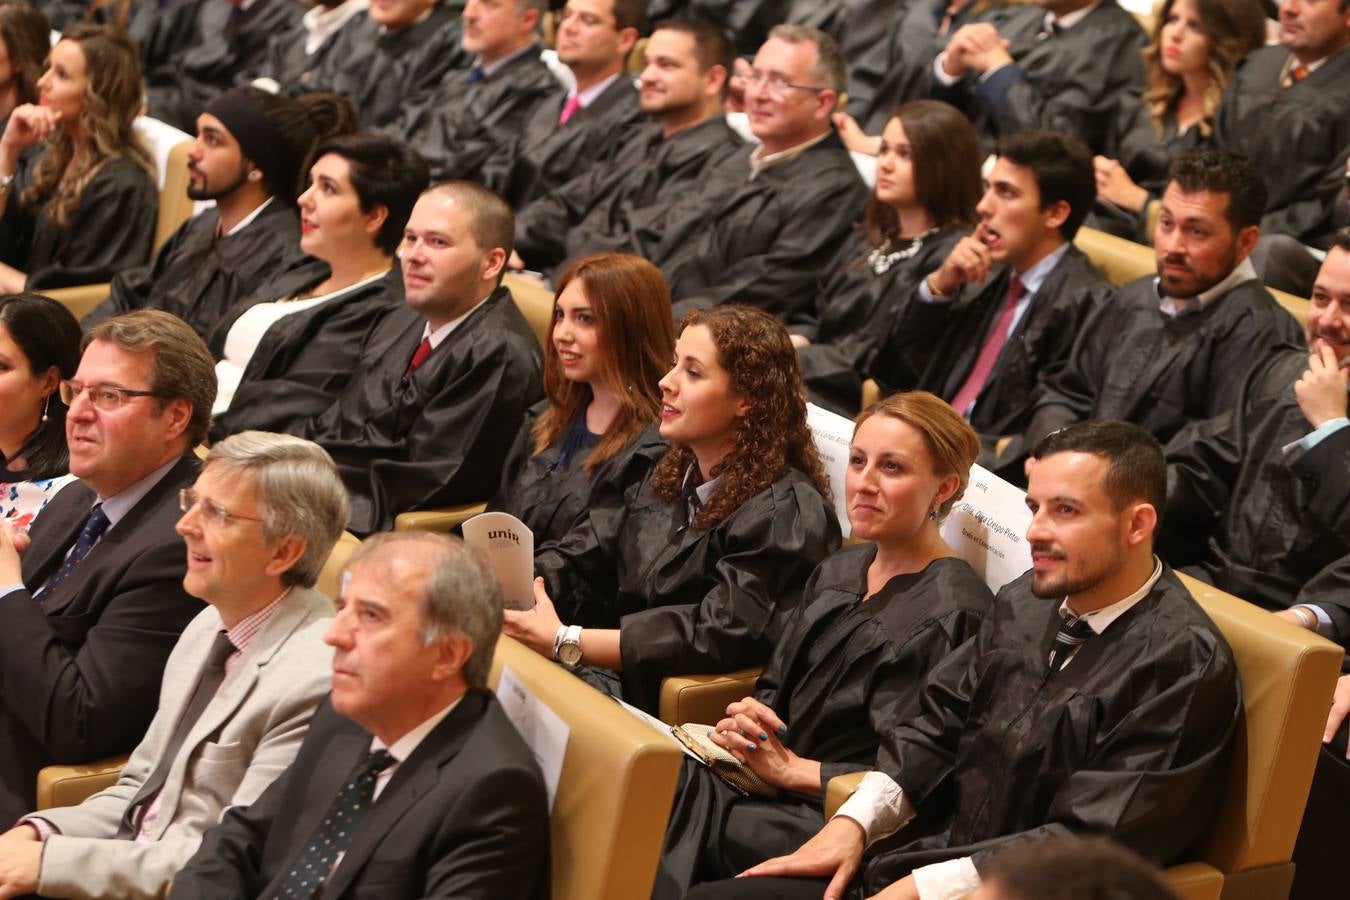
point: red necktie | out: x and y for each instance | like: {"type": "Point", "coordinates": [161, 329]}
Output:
{"type": "Point", "coordinates": [1300, 72]}
{"type": "Point", "coordinates": [989, 351]}
{"type": "Point", "coordinates": [419, 356]}
{"type": "Point", "coordinates": [569, 109]}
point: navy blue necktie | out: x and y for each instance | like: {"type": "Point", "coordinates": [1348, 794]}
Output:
{"type": "Point", "coordinates": [475, 74]}
{"type": "Point", "coordinates": [93, 529]}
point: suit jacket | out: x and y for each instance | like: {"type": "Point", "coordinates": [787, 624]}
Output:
{"type": "Point", "coordinates": [79, 675]}
{"type": "Point", "coordinates": [244, 739]}
{"type": "Point", "coordinates": [464, 816]}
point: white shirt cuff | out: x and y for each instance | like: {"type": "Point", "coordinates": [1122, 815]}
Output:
{"type": "Point", "coordinates": [941, 74]}
{"type": "Point", "coordinates": [950, 880]}
{"type": "Point", "coordinates": [879, 806]}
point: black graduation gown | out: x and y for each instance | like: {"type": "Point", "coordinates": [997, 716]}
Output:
{"type": "Point", "coordinates": [1299, 138]}
{"type": "Point", "coordinates": [381, 72]}
{"type": "Point", "coordinates": [437, 438]}
{"type": "Point", "coordinates": [288, 63]}
{"type": "Point", "coordinates": [935, 346]}
{"type": "Point", "coordinates": [553, 500]}
{"type": "Point", "coordinates": [624, 206]}
{"type": "Point", "coordinates": [855, 307]}
{"type": "Point", "coordinates": [1067, 82]}
{"type": "Point", "coordinates": [1268, 526]}
{"type": "Point", "coordinates": [164, 30]}
{"type": "Point", "coordinates": [197, 275]}
{"type": "Point", "coordinates": [547, 155]}
{"type": "Point", "coordinates": [1146, 155]}
{"type": "Point", "coordinates": [111, 229]}
{"type": "Point", "coordinates": [465, 123]}
{"type": "Point", "coordinates": [305, 360]}
{"type": "Point", "coordinates": [689, 600]}
{"type": "Point", "coordinates": [746, 22]}
{"type": "Point", "coordinates": [228, 46]}
{"type": "Point", "coordinates": [765, 241]}
{"type": "Point", "coordinates": [843, 674]}
{"type": "Point", "coordinates": [1133, 362]}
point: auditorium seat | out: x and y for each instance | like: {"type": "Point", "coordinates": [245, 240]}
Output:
{"type": "Point", "coordinates": [703, 699]}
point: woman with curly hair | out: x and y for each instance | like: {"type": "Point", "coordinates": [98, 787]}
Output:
{"type": "Point", "coordinates": [692, 569]}
{"type": "Point", "coordinates": [849, 665]}
{"type": "Point", "coordinates": [1195, 46]}
{"type": "Point", "coordinates": [83, 207]}
{"type": "Point", "coordinates": [611, 340]}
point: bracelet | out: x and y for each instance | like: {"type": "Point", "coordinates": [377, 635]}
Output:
{"type": "Point", "coordinates": [932, 288]}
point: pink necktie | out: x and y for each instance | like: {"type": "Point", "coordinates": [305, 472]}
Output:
{"type": "Point", "coordinates": [569, 109]}
{"type": "Point", "coordinates": [989, 351]}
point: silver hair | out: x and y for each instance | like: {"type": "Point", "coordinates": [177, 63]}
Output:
{"type": "Point", "coordinates": [830, 67]}
{"type": "Point", "coordinates": [460, 593]}
{"type": "Point", "coordinates": [299, 492]}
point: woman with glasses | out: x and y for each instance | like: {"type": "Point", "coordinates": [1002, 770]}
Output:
{"type": "Point", "coordinates": [286, 352]}
{"type": "Point", "coordinates": [39, 348]}
{"type": "Point", "coordinates": [81, 207]}
{"type": "Point", "coordinates": [692, 569]}
{"type": "Point", "coordinates": [611, 339]}
{"type": "Point", "coordinates": [927, 185]}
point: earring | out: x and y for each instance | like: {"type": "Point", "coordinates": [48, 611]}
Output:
{"type": "Point", "coordinates": [254, 175]}
{"type": "Point", "coordinates": [46, 406]}
{"type": "Point", "coordinates": [932, 513]}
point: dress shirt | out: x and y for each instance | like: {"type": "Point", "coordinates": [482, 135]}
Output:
{"type": "Point", "coordinates": [1063, 23]}
{"type": "Point", "coordinates": [761, 162]}
{"type": "Point", "coordinates": [248, 219]}
{"type": "Point", "coordinates": [487, 70]}
{"type": "Point", "coordinates": [1175, 307]}
{"type": "Point", "coordinates": [443, 332]}
{"type": "Point", "coordinates": [402, 748]}
{"type": "Point", "coordinates": [1031, 279]}
{"type": "Point", "coordinates": [701, 493]}
{"type": "Point", "coordinates": [587, 97]}
{"type": "Point", "coordinates": [880, 807]}
{"type": "Point", "coordinates": [321, 23]}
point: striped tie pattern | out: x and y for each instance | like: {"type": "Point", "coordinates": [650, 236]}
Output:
{"type": "Point", "coordinates": [1072, 632]}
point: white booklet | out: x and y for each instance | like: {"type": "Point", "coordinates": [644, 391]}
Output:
{"type": "Point", "coordinates": [509, 546]}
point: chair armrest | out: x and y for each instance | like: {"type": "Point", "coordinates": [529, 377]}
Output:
{"type": "Point", "coordinates": [442, 520]}
{"type": "Point", "coordinates": [840, 788]}
{"type": "Point", "coordinates": [59, 786]}
{"type": "Point", "coordinates": [79, 300]}
{"type": "Point", "coordinates": [703, 698]}
{"type": "Point", "coordinates": [1194, 881]}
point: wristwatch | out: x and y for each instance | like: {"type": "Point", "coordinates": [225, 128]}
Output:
{"type": "Point", "coordinates": [568, 651]}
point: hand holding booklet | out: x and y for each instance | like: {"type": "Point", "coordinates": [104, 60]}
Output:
{"type": "Point", "coordinates": [509, 547]}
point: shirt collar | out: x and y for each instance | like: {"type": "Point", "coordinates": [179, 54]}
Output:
{"type": "Point", "coordinates": [248, 219]}
{"type": "Point", "coordinates": [440, 334]}
{"type": "Point", "coordinates": [1034, 277]}
{"type": "Point", "coordinates": [248, 627]}
{"type": "Point", "coordinates": [319, 23]}
{"type": "Point", "coordinates": [118, 505]}
{"type": "Point", "coordinates": [701, 492]}
{"type": "Point", "coordinates": [760, 162]}
{"type": "Point", "coordinates": [1181, 306]}
{"type": "Point", "coordinates": [587, 97]}
{"type": "Point", "coordinates": [490, 69]}
{"type": "Point", "coordinates": [1099, 620]}
{"type": "Point", "coordinates": [1069, 20]}
{"type": "Point", "coordinates": [402, 748]}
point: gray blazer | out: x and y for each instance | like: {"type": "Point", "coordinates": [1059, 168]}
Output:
{"type": "Point", "coordinates": [245, 737]}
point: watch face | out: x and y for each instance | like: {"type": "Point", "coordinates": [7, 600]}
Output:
{"type": "Point", "coordinates": [569, 654]}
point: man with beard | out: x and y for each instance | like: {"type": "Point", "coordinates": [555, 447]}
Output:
{"type": "Point", "coordinates": [1097, 698]}
{"type": "Point", "coordinates": [1176, 348]}
{"type": "Point", "coordinates": [247, 156]}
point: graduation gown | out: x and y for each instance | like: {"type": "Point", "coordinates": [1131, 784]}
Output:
{"type": "Point", "coordinates": [380, 72]}
{"type": "Point", "coordinates": [305, 360]}
{"type": "Point", "coordinates": [288, 63]}
{"type": "Point", "coordinates": [1299, 138]}
{"type": "Point", "coordinates": [625, 206]}
{"type": "Point", "coordinates": [746, 22]}
{"type": "Point", "coordinates": [764, 242]}
{"type": "Point", "coordinates": [198, 275]}
{"type": "Point", "coordinates": [553, 499]}
{"type": "Point", "coordinates": [439, 437]}
{"type": "Point", "coordinates": [111, 229]}
{"type": "Point", "coordinates": [1131, 739]}
{"type": "Point", "coordinates": [1133, 362]}
{"type": "Point", "coordinates": [1068, 82]}
{"type": "Point", "coordinates": [689, 600]}
{"type": "Point", "coordinates": [844, 673]}
{"type": "Point", "coordinates": [466, 122]}
{"type": "Point", "coordinates": [1146, 155]}
{"type": "Point", "coordinates": [1268, 526]}
{"type": "Point", "coordinates": [855, 307]}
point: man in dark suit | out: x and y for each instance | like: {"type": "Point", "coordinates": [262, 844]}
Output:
{"type": "Point", "coordinates": [438, 794]}
{"type": "Point", "coordinates": [99, 602]}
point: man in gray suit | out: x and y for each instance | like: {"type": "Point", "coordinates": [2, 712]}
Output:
{"type": "Point", "coordinates": [238, 690]}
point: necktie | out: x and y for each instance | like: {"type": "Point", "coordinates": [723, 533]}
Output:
{"type": "Point", "coordinates": [314, 864]}
{"type": "Point", "coordinates": [419, 356]}
{"type": "Point", "coordinates": [989, 351]}
{"type": "Point", "coordinates": [93, 529]}
{"type": "Point", "coordinates": [569, 109]}
{"type": "Point", "coordinates": [475, 74]}
{"type": "Point", "coordinates": [213, 673]}
{"type": "Point", "coordinates": [1072, 632]}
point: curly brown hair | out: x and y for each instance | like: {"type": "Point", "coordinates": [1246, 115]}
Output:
{"type": "Point", "coordinates": [112, 98]}
{"type": "Point", "coordinates": [754, 349]}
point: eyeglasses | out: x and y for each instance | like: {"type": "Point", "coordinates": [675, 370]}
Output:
{"type": "Point", "coordinates": [776, 85]}
{"type": "Point", "coordinates": [104, 397]}
{"type": "Point", "coordinates": [213, 513]}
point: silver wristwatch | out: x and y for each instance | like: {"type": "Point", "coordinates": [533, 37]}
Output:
{"type": "Point", "coordinates": [569, 647]}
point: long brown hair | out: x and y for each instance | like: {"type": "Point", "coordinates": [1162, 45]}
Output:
{"type": "Point", "coordinates": [1234, 29]}
{"type": "Point", "coordinates": [757, 354]}
{"type": "Point", "coordinates": [946, 158]}
{"type": "Point", "coordinates": [631, 305]}
{"type": "Point", "coordinates": [27, 38]}
{"type": "Point", "coordinates": [112, 97]}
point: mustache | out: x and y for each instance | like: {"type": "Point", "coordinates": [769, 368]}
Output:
{"type": "Point", "coordinates": [1043, 547]}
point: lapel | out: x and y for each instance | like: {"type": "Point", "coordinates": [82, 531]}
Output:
{"type": "Point", "coordinates": [415, 777]}
{"type": "Point", "coordinates": [59, 525]}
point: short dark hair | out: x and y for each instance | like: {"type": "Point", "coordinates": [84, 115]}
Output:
{"type": "Point", "coordinates": [1074, 868]}
{"type": "Point", "coordinates": [712, 47]}
{"type": "Point", "coordinates": [1062, 167]}
{"type": "Point", "coordinates": [1341, 239]}
{"type": "Point", "coordinates": [1136, 470]}
{"type": "Point", "coordinates": [384, 172]}
{"type": "Point", "coordinates": [630, 14]}
{"type": "Point", "coordinates": [1215, 171]}
{"type": "Point", "coordinates": [491, 221]}
{"type": "Point", "coordinates": [48, 334]}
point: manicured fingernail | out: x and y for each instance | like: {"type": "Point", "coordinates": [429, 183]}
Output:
{"type": "Point", "coordinates": [782, 729]}
{"type": "Point", "coordinates": [763, 736]}
{"type": "Point", "coordinates": [750, 746]}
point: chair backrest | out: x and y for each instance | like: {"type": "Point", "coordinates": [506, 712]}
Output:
{"type": "Point", "coordinates": [1120, 260]}
{"type": "Point", "coordinates": [175, 206]}
{"type": "Point", "coordinates": [535, 303]}
{"type": "Point", "coordinates": [1297, 306]}
{"type": "Point", "coordinates": [329, 583]}
{"type": "Point", "coordinates": [1288, 675]}
{"type": "Point", "coordinates": [615, 791]}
